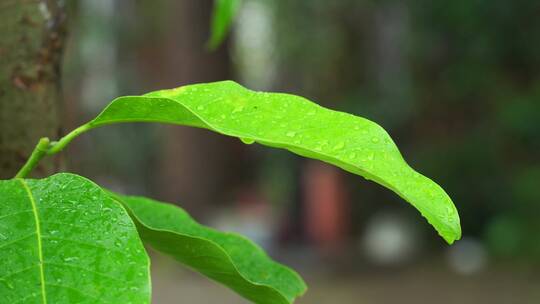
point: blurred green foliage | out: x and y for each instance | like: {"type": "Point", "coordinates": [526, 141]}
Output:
{"type": "Point", "coordinates": [456, 84]}
{"type": "Point", "coordinates": [463, 94]}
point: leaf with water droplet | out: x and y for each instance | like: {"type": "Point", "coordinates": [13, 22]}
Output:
{"type": "Point", "coordinates": [227, 258]}
{"type": "Point", "coordinates": [57, 249]}
{"type": "Point", "coordinates": [279, 120]}
{"type": "Point", "coordinates": [247, 141]}
{"type": "Point", "coordinates": [340, 145]}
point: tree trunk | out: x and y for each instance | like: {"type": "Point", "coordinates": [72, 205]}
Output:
{"type": "Point", "coordinates": [31, 40]}
{"type": "Point", "coordinates": [196, 166]}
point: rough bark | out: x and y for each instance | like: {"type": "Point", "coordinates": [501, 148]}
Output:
{"type": "Point", "coordinates": [31, 40]}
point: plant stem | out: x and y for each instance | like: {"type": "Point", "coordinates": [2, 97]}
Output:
{"type": "Point", "coordinates": [46, 147]}
{"type": "Point", "coordinates": [57, 146]}
{"type": "Point", "coordinates": [39, 152]}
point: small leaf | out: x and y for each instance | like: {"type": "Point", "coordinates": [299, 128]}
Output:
{"type": "Point", "coordinates": [294, 123]}
{"type": "Point", "coordinates": [64, 240]}
{"type": "Point", "coordinates": [222, 17]}
{"type": "Point", "coordinates": [227, 258]}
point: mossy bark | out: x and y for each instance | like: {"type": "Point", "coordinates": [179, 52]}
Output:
{"type": "Point", "coordinates": [31, 43]}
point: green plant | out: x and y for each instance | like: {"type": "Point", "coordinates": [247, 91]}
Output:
{"type": "Point", "coordinates": [64, 239]}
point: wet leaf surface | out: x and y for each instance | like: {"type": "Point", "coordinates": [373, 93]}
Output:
{"type": "Point", "coordinates": [227, 258]}
{"type": "Point", "coordinates": [64, 240]}
{"type": "Point", "coordinates": [286, 121]}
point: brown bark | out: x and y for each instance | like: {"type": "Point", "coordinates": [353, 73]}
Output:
{"type": "Point", "coordinates": [31, 40]}
{"type": "Point", "coordinates": [196, 166]}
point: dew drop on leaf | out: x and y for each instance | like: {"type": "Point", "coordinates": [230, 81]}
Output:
{"type": "Point", "coordinates": [247, 141]}
{"type": "Point", "coordinates": [238, 109]}
{"type": "Point", "coordinates": [340, 145]}
{"type": "Point", "coordinates": [69, 259]}
{"type": "Point", "coordinates": [291, 134]}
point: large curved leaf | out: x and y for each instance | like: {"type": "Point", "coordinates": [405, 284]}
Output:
{"type": "Point", "coordinates": [63, 240]}
{"type": "Point", "coordinates": [225, 257]}
{"type": "Point", "coordinates": [286, 121]}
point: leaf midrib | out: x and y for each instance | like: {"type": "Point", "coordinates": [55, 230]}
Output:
{"type": "Point", "coordinates": [38, 235]}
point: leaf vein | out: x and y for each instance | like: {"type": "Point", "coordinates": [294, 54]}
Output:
{"type": "Point", "coordinates": [85, 269]}
{"type": "Point", "coordinates": [86, 244]}
{"type": "Point", "coordinates": [15, 213]}
{"type": "Point", "coordinates": [17, 272]}
{"type": "Point", "coordinates": [17, 240]}
{"type": "Point", "coordinates": [39, 244]}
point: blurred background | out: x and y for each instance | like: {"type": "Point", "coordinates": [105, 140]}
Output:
{"type": "Point", "coordinates": [455, 83]}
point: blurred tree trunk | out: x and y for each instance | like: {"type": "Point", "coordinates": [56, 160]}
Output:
{"type": "Point", "coordinates": [195, 166]}
{"type": "Point", "coordinates": [31, 40]}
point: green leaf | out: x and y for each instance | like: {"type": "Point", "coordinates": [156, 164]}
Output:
{"type": "Point", "coordinates": [227, 258]}
{"type": "Point", "coordinates": [222, 17]}
{"type": "Point", "coordinates": [64, 240]}
{"type": "Point", "coordinates": [294, 123]}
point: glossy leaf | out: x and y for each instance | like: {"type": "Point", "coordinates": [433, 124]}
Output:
{"type": "Point", "coordinates": [294, 123]}
{"type": "Point", "coordinates": [227, 258]}
{"type": "Point", "coordinates": [222, 18]}
{"type": "Point", "coordinates": [64, 240]}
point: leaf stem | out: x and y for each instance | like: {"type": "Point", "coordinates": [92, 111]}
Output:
{"type": "Point", "coordinates": [39, 152]}
{"type": "Point", "coordinates": [57, 146]}
{"type": "Point", "coordinates": [46, 147]}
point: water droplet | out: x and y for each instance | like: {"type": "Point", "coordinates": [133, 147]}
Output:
{"type": "Point", "coordinates": [352, 155]}
{"type": "Point", "coordinates": [200, 108]}
{"type": "Point", "coordinates": [375, 139]}
{"type": "Point", "coordinates": [247, 141]}
{"type": "Point", "coordinates": [291, 134]}
{"type": "Point", "coordinates": [238, 109]}
{"type": "Point", "coordinates": [8, 284]}
{"type": "Point", "coordinates": [69, 259]}
{"type": "Point", "coordinates": [340, 145]}
{"type": "Point", "coordinates": [370, 156]}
